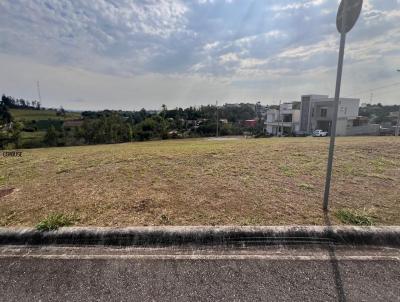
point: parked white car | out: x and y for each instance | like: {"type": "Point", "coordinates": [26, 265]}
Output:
{"type": "Point", "coordinates": [319, 133]}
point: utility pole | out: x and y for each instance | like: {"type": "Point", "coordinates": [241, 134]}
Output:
{"type": "Point", "coordinates": [39, 94]}
{"type": "Point", "coordinates": [216, 106]}
{"type": "Point", "coordinates": [279, 119]}
{"type": "Point", "coordinates": [346, 19]}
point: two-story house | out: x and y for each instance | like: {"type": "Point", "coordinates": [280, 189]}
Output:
{"type": "Point", "coordinates": [317, 113]}
{"type": "Point", "coordinates": [284, 120]}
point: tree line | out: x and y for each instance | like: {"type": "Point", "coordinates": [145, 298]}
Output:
{"type": "Point", "coordinates": [14, 103]}
{"type": "Point", "coordinates": [378, 113]}
{"type": "Point", "coordinates": [108, 127]}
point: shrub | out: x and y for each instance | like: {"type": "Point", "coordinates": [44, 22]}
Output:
{"type": "Point", "coordinates": [307, 187]}
{"type": "Point", "coordinates": [355, 218]}
{"type": "Point", "coordinates": [55, 221]}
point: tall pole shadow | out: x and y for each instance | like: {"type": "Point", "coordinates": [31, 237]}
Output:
{"type": "Point", "coordinates": [335, 262]}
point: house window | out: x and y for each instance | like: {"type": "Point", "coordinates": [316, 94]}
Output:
{"type": "Point", "coordinates": [287, 118]}
{"type": "Point", "coordinates": [324, 112]}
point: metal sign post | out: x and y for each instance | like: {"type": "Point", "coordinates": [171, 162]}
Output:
{"type": "Point", "coordinates": [349, 11]}
{"type": "Point", "coordinates": [397, 132]}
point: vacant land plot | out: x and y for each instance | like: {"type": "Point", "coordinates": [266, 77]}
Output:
{"type": "Point", "coordinates": [202, 182]}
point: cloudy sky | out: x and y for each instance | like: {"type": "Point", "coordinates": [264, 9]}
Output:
{"type": "Point", "coordinates": [129, 54]}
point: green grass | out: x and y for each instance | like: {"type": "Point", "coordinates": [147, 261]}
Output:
{"type": "Point", "coordinates": [286, 170]}
{"type": "Point", "coordinates": [29, 115]}
{"type": "Point", "coordinates": [354, 218]}
{"type": "Point", "coordinates": [37, 135]}
{"type": "Point", "coordinates": [55, 221]}
{"type": "Point", "coordinates": [307, 187]}
{"type": "Point", "coordinates": [236, 182]}
{"type": "Point", "coordinates": [32, 139]}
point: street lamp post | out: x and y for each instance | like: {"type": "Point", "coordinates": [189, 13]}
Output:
{"type": "Point", "coordinates": [349, 11]}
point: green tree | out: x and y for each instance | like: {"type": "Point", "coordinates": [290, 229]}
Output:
{"type": "Point", "coordinates": [10, 132]}
{"type": "Point", "coordinates": [51, 137]}
{"type": "Point", "coordinates": [108, 129]}
{"type": "Point", "coordinates": [5, 115]}
{"type": "Point", "coordinates": [16, 134]}
{"type": "Point", "coordinates": [10, 136]}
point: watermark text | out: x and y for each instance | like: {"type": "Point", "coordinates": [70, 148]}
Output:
{"type": "Point", "coordinates": [12, 153]}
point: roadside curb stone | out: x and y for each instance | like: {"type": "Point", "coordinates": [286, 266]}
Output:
{"type": "Point", "coordinates": [198, 235]}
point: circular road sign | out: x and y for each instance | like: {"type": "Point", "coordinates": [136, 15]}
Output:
{"type": "Point", "coordinates": [349, 11]}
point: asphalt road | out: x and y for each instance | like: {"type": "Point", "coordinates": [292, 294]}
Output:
{"type": "Point", "coordinates": [236, 274]}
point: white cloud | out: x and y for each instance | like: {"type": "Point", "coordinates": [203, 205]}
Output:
{"type": "Point", "coordinates": [162, 41]}
{"type": "Point", "coordinates": [228, 58]}
{"type": "Point", "coordinates": [328, 45]}
{"type": "Point", "coordinates": [97, 32]}
{"type": "Point", "coordinates": [297, 5]}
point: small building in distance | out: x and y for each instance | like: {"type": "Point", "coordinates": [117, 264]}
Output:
{"type": "Point", "coordinates": [285, 120]}
{"type": "Point", "coordinates": [250, 123]}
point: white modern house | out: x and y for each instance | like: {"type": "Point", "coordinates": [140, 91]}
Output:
{"type": "Point", "coordinates": [317, 113]}
{"type": "Point", "coordinates": [282, 120]}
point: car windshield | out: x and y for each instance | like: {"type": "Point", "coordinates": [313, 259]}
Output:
{"type": "Point", "coordinates": [196, 123]}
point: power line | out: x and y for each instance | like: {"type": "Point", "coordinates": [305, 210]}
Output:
{"type": "Point", "coordinates": [385, 92]}
{"type": "Point", "coordinates": [377, 88]}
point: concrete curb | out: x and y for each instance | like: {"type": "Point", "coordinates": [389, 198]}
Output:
{"type": "Point", "coordinates": [161, 236]}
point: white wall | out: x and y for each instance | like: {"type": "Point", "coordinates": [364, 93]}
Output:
{"type": "Point", "coordinates": [341, 127]}
{"type": "Point", "coordinates": [296, 116]}
{"type": "Point", "coordinates": [349, 107]}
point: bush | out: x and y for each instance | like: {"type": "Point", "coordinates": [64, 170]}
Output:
{"type": "Point", "coordinates": [55, 221]}
{"type": "Point", "coordinates": [51, 137]}
{"type": "Point", "coordinates": [354, 218]}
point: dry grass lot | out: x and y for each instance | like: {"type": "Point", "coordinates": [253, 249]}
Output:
{"type": "Point", "coordinates": [202, 182]}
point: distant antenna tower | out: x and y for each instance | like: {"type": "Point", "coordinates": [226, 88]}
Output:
{"type": "Point", "coordinates": [38, 89]}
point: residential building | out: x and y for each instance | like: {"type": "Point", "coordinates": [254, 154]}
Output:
{"type": "Point", "coordinates": [260, 110]}
{"type": "Point", "coordinates": [286, 119]}
{"type": "Point", "coordinates": [317, 113]}
{"type": "Point", "coordinates": [250, 123]}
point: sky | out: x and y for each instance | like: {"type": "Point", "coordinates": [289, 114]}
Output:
{"type": "Point", "coordinates": [133, 54]}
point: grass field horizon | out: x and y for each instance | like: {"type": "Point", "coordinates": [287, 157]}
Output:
{"type": "Point", "coordinates": [275, 181]}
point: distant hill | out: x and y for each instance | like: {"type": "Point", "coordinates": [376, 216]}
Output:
{"type": "Point", "coordinates": [31, 114]}
{"type": "Point", "coordinates": [37, 122]}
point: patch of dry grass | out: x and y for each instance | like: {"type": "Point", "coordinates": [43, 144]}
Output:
{"type": "Point", "coordinates": [202, 182]}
